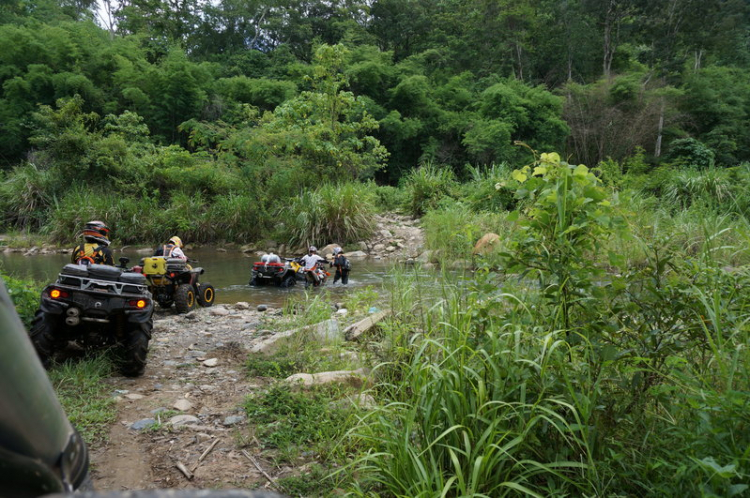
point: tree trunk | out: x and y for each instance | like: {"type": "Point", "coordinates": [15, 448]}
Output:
{"type": "Point", "coordinates": [610, 20]}
{"type": "Point", "coordinates": [698, 54]}
{"type": "Point", "coordinates": [657, 148]}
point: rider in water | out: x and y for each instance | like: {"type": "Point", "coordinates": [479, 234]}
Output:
{"type": "Point", "coordinates": [342, 266]}
{"type": "Point", "coordinates": [95, 249]}
{"type": "Point", "coordinates": [310, 261]}
{"type": "Point", "coordinates": [172, 249]}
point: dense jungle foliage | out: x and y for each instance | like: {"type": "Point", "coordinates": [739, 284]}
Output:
{"type": "Point", "coordinates": [600, 349]}
{"type": "Point", "coordinates": [209, 118]}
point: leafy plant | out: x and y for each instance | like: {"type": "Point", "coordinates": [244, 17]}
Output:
{"type": "Point", "coordinates": [25, 295]}
{"type": "Point", "coordinates": [564, 219]}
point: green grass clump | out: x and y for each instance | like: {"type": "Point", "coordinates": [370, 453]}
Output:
{"type": "Point", "coordinates": [25, 295]}
{"type": "Point", "coordinates": [332, 213]}
{"type": "Point", "coordinates": [454, 229]}
{"type": "Point", "coordinates": [317, 482]}
{"type": "Point", "coordinates": [426, 186]}
{"type": "Point", "coordinates": [294, 422]}
{"type": "Point", "coordinates": [294, 359]}
{"type": "Point", "coordinates": [84, 396]}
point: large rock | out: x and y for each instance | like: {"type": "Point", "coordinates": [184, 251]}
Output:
{"type": "Point", "coordinates": [355, 331]}
{"type": "Point", "coordinates": [328, 250]}
{"type": "Point", "coordinates": [323, 331]}
{"type": "Point", "coordinates": [356, 255]}
{"type": "Point", "coordinates": [180, 420]}
{"type": "Point", "coordinates": [354, 378]}
{"type": "Point", "coordinates": [487, 244]}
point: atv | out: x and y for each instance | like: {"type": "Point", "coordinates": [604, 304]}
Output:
{"type": "Point", "coordinates": [283, 274]}
{"type": "Point", "coordinates": [173, 281]}
{"type": "Point", "coordinates": [315, 276]}
{"type": "Point", "coordinates": [96, 305]}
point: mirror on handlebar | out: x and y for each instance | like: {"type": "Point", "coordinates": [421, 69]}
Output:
{"type": "Point", "coordinates": [124, 261]}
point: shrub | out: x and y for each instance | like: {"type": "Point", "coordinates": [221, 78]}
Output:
{"type": "Point", "coordinates": [388, 198]}
{"type": "Point", "coordinates": [690, 152]}
{"type": "Point", "coordinates": [486, 190]}
{"type": "Point", "coordinates": [426, 186]}
{"type": "Point", "coordinates": [25, 295]}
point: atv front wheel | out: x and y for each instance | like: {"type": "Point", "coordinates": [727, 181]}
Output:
{"type": "Point", "coordinates": [135, 348]}
{"type": "Point", "coordinates": [206, 295]}
{"type": "Point", "coordinates": [43, 337]}
{"type": "Point", "coordinates": [184, 298]}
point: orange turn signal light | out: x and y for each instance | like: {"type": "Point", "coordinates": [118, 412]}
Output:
{"type": "Point", "coordinates": [54, 293]}
{"type": "Point", "coordinates": [140, 303]}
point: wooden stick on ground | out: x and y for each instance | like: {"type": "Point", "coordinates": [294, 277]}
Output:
{"type": "Point", "coordinates": [184, 470]}
{"type": "Point", "coordinates": [257, 466]}
{"type": "Point", "coordinates": [205, 453]}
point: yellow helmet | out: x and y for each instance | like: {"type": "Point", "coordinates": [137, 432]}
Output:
{"type": "Point", "coordinates": [176, 241]}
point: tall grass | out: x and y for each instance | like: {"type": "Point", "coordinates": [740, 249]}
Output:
{"type": "Point", "coordinates": [25, 196]}
{"type": "Point", "coordinates": [87, 400]}
{"type": "Point", "coordinates": [646, 394]}
{"type": "Point", "coordinates": [427, 185]}
{"type": "Point", "coordinates": [331, 214]}
{"type": "Point", "coordinates": [453, 230]}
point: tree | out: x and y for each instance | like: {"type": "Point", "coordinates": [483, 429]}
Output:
{"type": "Point", "coordinates": [325, 131]}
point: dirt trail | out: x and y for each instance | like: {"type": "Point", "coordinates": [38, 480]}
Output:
{"type": "Point", "coordinates": [206, 400]}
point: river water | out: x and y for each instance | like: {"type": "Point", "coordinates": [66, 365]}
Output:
{"type": "Point", "coordinates": [229, 272]}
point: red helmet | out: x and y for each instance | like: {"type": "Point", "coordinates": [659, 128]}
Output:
{"type": "Point", "coordinates": [96, 231]}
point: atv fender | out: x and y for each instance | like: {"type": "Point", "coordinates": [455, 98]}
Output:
{"type": "Point", "coordinates": [141, 316]}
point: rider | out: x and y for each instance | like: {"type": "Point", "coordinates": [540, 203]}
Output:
{"type": "Point", "coordinates": [172, 249]}
{"type": "Point", "coordinates": [342, 266]}
{"type": "Point", "coordinates": [95, 248]}
{"type": "Point", "coordinates": [310, 260]}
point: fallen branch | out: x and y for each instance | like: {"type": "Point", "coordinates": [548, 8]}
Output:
{"type": "Point", "coordinates": [181, 467]}
{"type": "Point", "coordinates": [205, 454]}
{"type": "Point", "coordinates": [260, 469]}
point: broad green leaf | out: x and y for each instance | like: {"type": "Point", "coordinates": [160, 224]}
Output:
{"type": "Point", "coordinates": [581, 170]}
{"type": "Point", "coordinates": [519, 176]}
{"type": "Point", "coordinates": [540, 170]}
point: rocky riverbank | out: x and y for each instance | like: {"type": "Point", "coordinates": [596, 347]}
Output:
{"type": "Point", "coordinates": [395, 237]}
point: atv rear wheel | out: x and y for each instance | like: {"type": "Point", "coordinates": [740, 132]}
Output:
{"type": "Point", "coordinates": [289, 281]}
{"type": "Point", "coordinates": [255, 282]}
{"type": "Point", "coordinates": [206, 295]}
{"type": "Point", "coordinates": [135, 348]}
{"type": "Point", "coordinates": [184, 298]}
{"type": "Point", "coordinates": [43, 337]}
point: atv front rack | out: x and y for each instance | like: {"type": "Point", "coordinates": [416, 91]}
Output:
{"type": "Point", "coordinates": [95, 285]}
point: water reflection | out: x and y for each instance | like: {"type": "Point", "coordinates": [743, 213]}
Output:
{"type": "Point", "coordinates": [229, 272]}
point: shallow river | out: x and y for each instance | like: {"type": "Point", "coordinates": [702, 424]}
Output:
{"type": "Point", "coordinates": [229, 272]}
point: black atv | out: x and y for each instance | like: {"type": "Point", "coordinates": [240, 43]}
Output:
{"type": "Point", "coordinates": [173, 281]}
{"type": "Point", "coordinates": [96, 305]}
{"type": "Point", "coordinates": [283, 274]}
